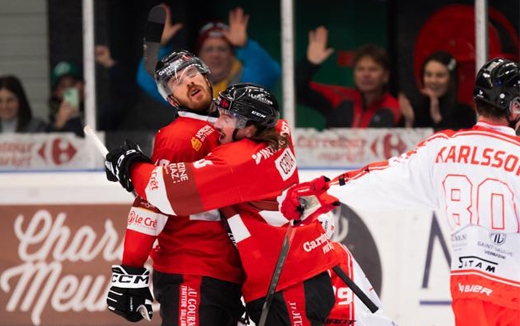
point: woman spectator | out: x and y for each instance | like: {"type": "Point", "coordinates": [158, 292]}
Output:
{"type": "Point", "coordinates": [15, 112]}
{"type": "Point", "coordinates": [438, 107]}
{"type": "Point", "coordinates": [66, 104]}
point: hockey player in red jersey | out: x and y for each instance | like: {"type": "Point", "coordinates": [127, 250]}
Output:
{"type": "Point", "coordinates": [244, 177]}
{"type": "Point", "coordinates": [348, 308]}
{"type": "Point", "coordinates": [471, 175]}
{"type": "Point", "coordinates": [197, 274]}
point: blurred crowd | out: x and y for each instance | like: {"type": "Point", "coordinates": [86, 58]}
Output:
{"type": "Point", "coordinates": [232, 57]}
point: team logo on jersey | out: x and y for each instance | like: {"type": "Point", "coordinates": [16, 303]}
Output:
{"type": "Point", "coordinates": [196, 144]}
{"type": "Point", "coordinates": [286, 164]}
{"type": "Point", "coordinates": [497, 238]}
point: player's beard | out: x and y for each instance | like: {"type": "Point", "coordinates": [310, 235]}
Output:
{"type": "Point", "coordinates": [203, 102]}
{"type": "Point", "coordinates": [200, 102]}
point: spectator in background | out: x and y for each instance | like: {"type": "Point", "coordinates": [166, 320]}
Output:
{"type": "Point", "coordinates": [123, 91]}
{"type": "Point", "coordinates": [368, 105]}
{"type": "Point", "coordinates": [438, 107]}
{"type": "Point", "coordinates": [479, 197]}
{"type": "Point", "coordinates": [15, 111]}
{"type": "Point", "coordinates": [66, 103]}
{"type": "Point", "coordinates": [231, 56]}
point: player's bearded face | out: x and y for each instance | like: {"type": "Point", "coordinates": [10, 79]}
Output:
{"type": "Point", "coordinates": [191, 89]}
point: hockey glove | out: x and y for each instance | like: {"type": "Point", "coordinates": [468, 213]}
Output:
{"type": "Point", "coordinates": [130, 296]}
{"type": "Point", "coordinates": [307, 201]}
{"type": "Point", "coordinates": [119, 160]}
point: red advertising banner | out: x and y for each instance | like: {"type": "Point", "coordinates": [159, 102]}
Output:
{"type": "Point", "coordinates": [55, 263]}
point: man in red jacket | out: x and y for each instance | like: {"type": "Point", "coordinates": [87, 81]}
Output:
{"type": "Point", "coordinates": [472, 176]}
{"type": "Point", "coordinates": [197, 274]}
{"type": "Point", "coordinates": [244, 177]}
{"type": "Point", "coordinates": [368, 105]}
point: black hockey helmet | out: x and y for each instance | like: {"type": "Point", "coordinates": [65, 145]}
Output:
{"type": "Point", "coordinates": [498, 83]}
{"type": "Point", "coordinates": [172, 65]}
{"type": "Point", "coordinates": [250, 104]}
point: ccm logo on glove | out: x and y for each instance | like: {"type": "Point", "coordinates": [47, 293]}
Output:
{"type": "Point", "coordinates": [130, 281]}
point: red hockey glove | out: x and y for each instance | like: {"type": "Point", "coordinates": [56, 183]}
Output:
{"type": "Point", "coordinates": [308, 200]}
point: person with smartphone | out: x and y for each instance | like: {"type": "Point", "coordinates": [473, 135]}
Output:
{"type": "Point", "coordinates": [66, 102]}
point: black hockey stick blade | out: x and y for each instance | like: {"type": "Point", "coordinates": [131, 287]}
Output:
{"type": "Point", "coordinates": [287, 240]}
{"type": "Point", "coordinates": [357, 291]}
{"type": "Point", "coordinates": [152, 37]}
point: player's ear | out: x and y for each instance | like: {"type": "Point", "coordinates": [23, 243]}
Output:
{"type": "Point", "coordinates": [250, 131]}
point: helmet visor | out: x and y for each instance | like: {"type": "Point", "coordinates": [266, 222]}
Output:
{"type": "Point", "coordinates": [224, 108]}
{"type": "Point", "coordinates": [175, 68]}
{"type": "Point", "coordinates": [181, 76]}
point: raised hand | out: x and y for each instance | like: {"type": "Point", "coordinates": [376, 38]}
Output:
{"type": "Point", "coordinates": [317, 50]}
{"type": "Point", "coordinates": [170, 30]}
{"type": "Point", "coordinates": [435, 111]}
{"type": "Point", "coordinates": [65, 112]}
{"type": "Point", "coordinates": [406, 110]}
{"type": "Point", "coordinates": [237, 34]}
{"type": "Point", "coordinates": [103, 56]}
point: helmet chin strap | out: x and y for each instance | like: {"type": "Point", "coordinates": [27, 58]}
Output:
{"type": "Point", "coordinates": [234, 136]}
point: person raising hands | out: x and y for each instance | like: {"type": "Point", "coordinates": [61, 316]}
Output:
{"type": "Point", "coordinates": [230, 54]}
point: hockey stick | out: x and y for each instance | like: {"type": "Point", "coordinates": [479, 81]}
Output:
{"type": "Point", "coordinates": [90, 133]}
{"type": "Point", "coordinates": [287, 240]}
{"type": "Point", "coordinates": [152, 37]}
{"type": "Point", "coordinates": [357, 291]}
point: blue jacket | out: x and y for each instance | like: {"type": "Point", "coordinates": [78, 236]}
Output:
{"type": "Point", "coordinates": [257, 67]}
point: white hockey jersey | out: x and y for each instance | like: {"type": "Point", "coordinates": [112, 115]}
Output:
{"type": "Point", "coordinates": [473, 177]}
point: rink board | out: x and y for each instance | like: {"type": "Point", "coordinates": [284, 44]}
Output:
{"type": "Point", "coordinates": [61, 232]}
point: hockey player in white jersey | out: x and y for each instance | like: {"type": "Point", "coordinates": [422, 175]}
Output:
{"type": "Point", "coordinates": [472, 176]}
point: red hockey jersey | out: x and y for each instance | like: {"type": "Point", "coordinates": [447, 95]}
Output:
{"type": "Point", "coordinates": [195, 244]}
{"type": "Point", "coordinates": [244, 178]}
{"type": "Point", "coordinates": [348, 308]}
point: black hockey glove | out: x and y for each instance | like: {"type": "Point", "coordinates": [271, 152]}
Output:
{"type": "Point", "coordinates": [130, 296]}
{"type": "Point", "coordinates": [119, 160]}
